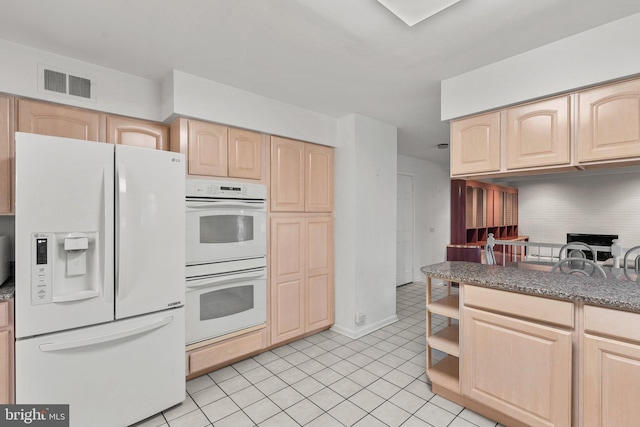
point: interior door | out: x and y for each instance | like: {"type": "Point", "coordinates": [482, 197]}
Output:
{"type": "Point", "coordinates": [64, 190]}
{"type": "Point", "coordinates": [404, 232]}
{"type": "Point", "coordinates": [150, 227]}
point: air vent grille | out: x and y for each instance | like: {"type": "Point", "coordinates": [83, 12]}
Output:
{"type": "Point", "coordinates": [55, 81]}
{"type": "Point", "coordinates": [61, 82]}
{"type": "Point", "coordinates": [79, 86]}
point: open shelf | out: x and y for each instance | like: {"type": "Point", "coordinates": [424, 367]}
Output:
{"type": "Point", "coordinates": [446, 373]}
{"type": "Point", "coordinates": [446, 340]}
{"type": "Point", "coordinates": [447, 306]}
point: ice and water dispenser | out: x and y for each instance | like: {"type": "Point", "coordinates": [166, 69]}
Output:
{"type": "Point", "coordinates": [64, 267]}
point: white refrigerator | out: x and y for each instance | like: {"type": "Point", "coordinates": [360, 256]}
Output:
{"type": "Point", "coordinates": [100, 269]}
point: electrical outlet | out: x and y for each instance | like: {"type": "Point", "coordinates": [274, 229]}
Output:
{"type": "Point", "coordinates": [360, 317]}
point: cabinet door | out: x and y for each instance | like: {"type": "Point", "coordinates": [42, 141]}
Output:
{"type": "Point", "coordinates": [538, 134]}
{"type": "Point", "coordinates": [7, 156]}
{"type": "Point", "coordinates": [6, 367]}
{"type": "Point", "coordinates": [475, 144]}
{"type": "Point", "coordinates": [287, 175]}
{"type": "Point", "coordinates": [207, 149]}
{"type": "Point", "coordinates": [245, 154]}
{"type": "Point", "coordinates": [57, 120]}
{"type": "Point", "coordinates": [516, 367]}
{"type": "Point", "coordinates": [318, 178]}
{"type": "Point", "coordinates": [609, 122]}
{"type": "Point", "coordinates": [138, 133]}
{"type": "Point", "coordinates": [287, 278]}
{"type": "Point", "coordinates": [319, 299]}
{"type": "Point", "coordinates": [612, 375]}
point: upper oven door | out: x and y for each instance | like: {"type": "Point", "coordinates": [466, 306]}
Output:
{"type": "Point", "coordinates": [224, 230]}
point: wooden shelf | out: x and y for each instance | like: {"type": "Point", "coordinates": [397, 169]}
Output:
{"type": "Point", "coordinates": [447, 306]}
{"type": "Point", "coordinates": [446, 373]}
{"type": "Point", "coordinates": [447, 340]}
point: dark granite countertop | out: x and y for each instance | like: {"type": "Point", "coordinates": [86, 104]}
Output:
{"type": "Point", "coordinates": [7, 289]}
{"type": "Point", "coordinates": [613, 293]}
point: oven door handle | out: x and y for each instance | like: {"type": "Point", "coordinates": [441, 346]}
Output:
{"type": "Point", "coordinates": [193, 206]}
{"type": "Point", "coordinates": [211, 281]}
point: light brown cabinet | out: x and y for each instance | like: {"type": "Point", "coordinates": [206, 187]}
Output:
{"type": "Point", "coordinates": [7, 370]}
{"type": "Point", "coordinates": [7, 156]}
{"type": "Point", "coordinates": [609, 122]}
{"type": "Point", "coordinates": [475, 144]}
{"type": "Point", "coordinates": [301, 275]}
{"type": "Point", "coordinates": [218, 151]}
{"type": "Point", "coordinates": [59, 120]}
{"type": "Point", "coordinates": [538, 134]}
{"type": "Point", "coordinates": [137, 133]}
{"type": "Point", "coordinates": [301, 176]}
{"type": "Point", "coordinates": [611, 368]}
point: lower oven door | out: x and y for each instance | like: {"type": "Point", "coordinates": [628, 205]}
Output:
{"type": "Point", "coordinates": [220, 304]}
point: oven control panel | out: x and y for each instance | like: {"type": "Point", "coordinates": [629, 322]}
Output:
{"type": "Point", "coordinates": [225, 189]}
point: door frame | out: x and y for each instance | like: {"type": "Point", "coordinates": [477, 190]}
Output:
{"type": "Point", "coordinates": [413, 224]}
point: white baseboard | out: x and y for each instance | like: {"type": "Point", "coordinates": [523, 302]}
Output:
{"type": "Point", "coordinates": [355, 334]}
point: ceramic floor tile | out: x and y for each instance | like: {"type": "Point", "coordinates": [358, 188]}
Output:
{"type": "Point", "coordinates": [278, 366]}
{"type": "Point", "coordinates": [325, 420]}
{"type": "Point", "coordinates": [366, 400]}
{"type": "Point", "coordinates": [435, 415]}
{"type": "Point", "coordinates": [304, 411]}
{"type": "Point", "coordinates": [247, 396]}
{"type": "Point", "coordinates": [420, 389]}
{"type": "Point", "coordinates": [327, 376]}
{"type": "Point", "coordinates": [157, 420]}
{"type": "Point", "coordinates": [192, 419]}
{"type": "Point", "coordinates": [271, 385]}
{"type": "Point", "coordinates": [461, 422]}
{"type": "Point", "coordinates": [343, 352]}
{"type": "Point", "coordinates": [313, 351]}
{"type": "Point", "coordinates": [308, 386]}
{"type": "Point", "coordinates": [223, 374]}
{"type": "Point", "coordinates": [399, 378]}
{"type": "Point", "coordinates": [373, 352]}
{"type": "Point", "coordinates": [180, 409]}
{"type": "Point", "coordinates": [311, 366]}
{"type": "Point", "coordinates": [378, 368]}
{"type": "Point", "coordinates": [415, 422]}
{"type": "Point", "coordinates": [328, 359]}
{"type": "Point", "coordinates": [199, 383]}
{"type": "Point", "coordinates": [220, 409]}
{"type": "Point", "coordinates": [296, 358]}
{"type": "Point", "coordinates": [261, 410]}
{"type": "Point", "coordinates": [383, 388]}
{"type": "Point", "coordinates": [301, 344]}
{"type": "Point", "coordinates": [266, 357]}
{"type": "Point", "coordinates": [284, 350]}
{"type": "Point", "coordinates": [360, 360]}
{"type": "Point", "coordinates": [237, 419]}
{"type": "Point", "coordinates": [411, 369]}
{"type": "Point", "coordinates": [362, 377]}
{"type": "Point", "coordinates": [347, 413]}
{"type": "Point", "coordinates": [476, 418]}
{"type": "Point", "coordinates": [344, 367]}
{"type": "Point", "coordinates": [279, 420]}
{"type": "Point", "coordinates": [326, 398]}
{"type": "Point", "coordinates": [208, 395]}
{"type": "Point", "coordinates": [258, 374]}
{"type": "Point", "coordinates": [234, 384]}
{"type": "Point", "coordinates": [292, 375]}
{"type": "Point", "coordinates": [345, 387]}
{"type": "Point", "coordinates": [391, 360]}
{"type": "Point", "coordinates": [286, 397]}
{"type": "Point", "coordinates": [450, 406]}
{"type": "Point", "coordinates": [370, 421]}
{"type": "Point", "coordinates": [390, 414]}
{"type": "Point", "coordinates": [407, 401]}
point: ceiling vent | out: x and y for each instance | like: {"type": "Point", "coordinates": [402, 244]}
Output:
{"type": "Point", "coordinates": [59, 82]}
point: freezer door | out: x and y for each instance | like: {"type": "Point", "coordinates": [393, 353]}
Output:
{"type": "Point", "coordinates": [111, 375]}
{"type": "Point", "coordinates": [150, 212]}
{"type": "Point", "coordinates": [64, 234]}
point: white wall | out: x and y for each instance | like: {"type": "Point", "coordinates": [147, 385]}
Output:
{"type": "Point", "coordinates": [365, 224]}
{"type": "Point", "coordinates": [548, 208]}
{"type": "Point", "coordinates": [191, 96]}
{"type": "Point", "coordinates": [116, 92]}
{"type": "Point", "coordinates": [604, 53]}
{"type": "Point", "coordinates": [431, 201]}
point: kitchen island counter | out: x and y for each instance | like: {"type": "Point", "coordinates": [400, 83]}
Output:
{"type": "Point", "coordinates": [613, 293]}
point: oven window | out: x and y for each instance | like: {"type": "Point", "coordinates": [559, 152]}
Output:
{"type": "Point", "coordinates": [226, 302]}
{"type": "Point", "coordinates": [226, 228]}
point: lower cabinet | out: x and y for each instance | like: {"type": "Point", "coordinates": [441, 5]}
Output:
{"type": "Point", "coordinates": [611, 368]}
{"type": "Point", "coordinates": [7, 386]}
{"type": "Point", "coordinates": [206, 357]}
{"type": "Point", "coordinates": [301, 275]}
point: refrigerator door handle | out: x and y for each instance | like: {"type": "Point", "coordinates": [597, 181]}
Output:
{"type": "Point", "coordinates": [66, 345]}
{"type": "Point", "coordinates": [107, 289]}
{"type": "Point", "coordinates": [121, 224]}
{"type": "Point", "coordinates": [76, 296]}
{"type": "Point", "coordinates": [201, 283]}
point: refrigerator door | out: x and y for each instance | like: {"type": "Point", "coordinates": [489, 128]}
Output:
{"type": "Point", "coordinates": [64, 234]}
{"type": "Point", "coordinates": [150, 260]}
{"type": "Point", "coordinates": [111, 375]}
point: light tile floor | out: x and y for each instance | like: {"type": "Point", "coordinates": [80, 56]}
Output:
{"type": "Point", "coordinates": [328, 380]}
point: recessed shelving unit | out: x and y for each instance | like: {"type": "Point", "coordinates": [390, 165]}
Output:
{"type": "Point", "coordinates": [443, 303]}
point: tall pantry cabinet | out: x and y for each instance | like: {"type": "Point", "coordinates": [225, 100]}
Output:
{"type": "Point", "coordinates": [301, 245]}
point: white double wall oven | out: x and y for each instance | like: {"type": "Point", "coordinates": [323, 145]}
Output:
{"type": "Point", "coordinates": [226, 268]}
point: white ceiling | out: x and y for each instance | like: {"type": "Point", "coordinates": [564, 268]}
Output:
{"type": "Point", "coordinates": [332, 56]}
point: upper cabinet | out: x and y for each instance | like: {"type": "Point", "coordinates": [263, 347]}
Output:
{"type": "Point", "coordinates": [538, 134]}
{"type": "Point", "coordinates": [591, 128]}
{"type": "Point", "coordinates": [301, 176]}
{"type": "Point", "coordinates": [475, 144]}
{"type": "Point", "coordinates": [7, 155]}
{"type": "Point", "coordinates": [58, 120]}
{"type": "Point", "coordinates": [609, 122]}
{"type": "Point", "coordinates": [138, 133]}
{"type": "Point", "coordinates": [218, 151]}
